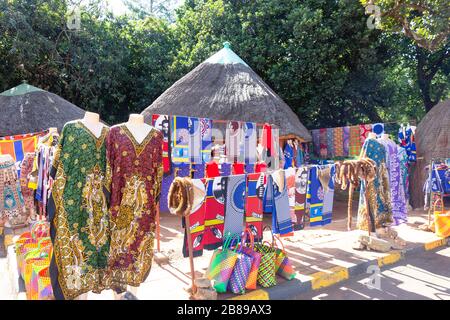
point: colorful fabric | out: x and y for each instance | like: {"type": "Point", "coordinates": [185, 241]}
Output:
{"type": "Point", "coordinates": [288, 156]}
{"type": "Point", "coordinates": [404, 175]}
{"type": "Point", "coordinates": [378, 129]}
{"type": "Point", "coordinates": [212, 170]}
{"type": "Point", "coordinates": [78, 213]}
{"type": "Point", "coordinates": [28, 194]}
{"type": "Point", "coordinates": [323, 143]}
{"type": "Point", "coordinates": [328, 197]}
{"type": "Point", "coordinates": [330, 143]}
{"type": "Point", "coordinates": [235, 204]}
{"type": "Point", "coordinates": [346, 142]}
{"type": "Point", "coordinates": [198, 171]}
{"type": "Point", "coordinates": [290, 185]}
{"type": "Point", "coordinates": [355, 141]}
{"type": "Point", "coordinates": [316, 141]}
{"type": "Point", "coordinates": [406, 137]}
{"type": "Point", "coordinates": [315, 196]}
{"type": "Point", "coordinates": [195, 141]}
{"type": "Point", "coordinates": [238, 168]}
{"type": "Point", "coordinates": [225, 169]}
{"type": "Point", "coordinates": [215, 212]}
{"type": "Point", "coordinates": [338, 134]}
{"type": "Point", "coordinates": [12, 204]}
{"type": "Point", "coordinates": [180, 139]}
{"type": "Point", "coordinates": [249, 168]}
{"type": "Point", "coordinates": [206, 126]}
{"type": "Point", "coordinates": [267, 141]}
{"type": "Point", "coordinates": [380, 211]}
{"type": "Point", "coordinates": [364, 130]}
{"type": "Point", "coordinates": [250, 136]}
{"type": "Point", "coordinates": [298, 155]}
{"type": "Point", "coordinates": [233, 137]}
{"type": "Point", "coordinates": [301, 185]}
{"type": "Point", "coordinates": [254, 204]}
{"type": "Point", "coordinates": [162, 123]}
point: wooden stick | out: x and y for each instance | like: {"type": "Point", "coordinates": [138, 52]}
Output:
{"type": "Point", "coordinates": [191, 254]}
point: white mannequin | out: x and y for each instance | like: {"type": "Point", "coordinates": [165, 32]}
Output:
{"type": "Point", "coordinates": [137, 127]}
{"type": "Point", "coordinates": [372, 135]}
{"type": "Point", "coordinates": [91, 121]}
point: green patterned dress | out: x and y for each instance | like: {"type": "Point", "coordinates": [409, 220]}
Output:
{"type": "Point", "coordinates": [78, 213]}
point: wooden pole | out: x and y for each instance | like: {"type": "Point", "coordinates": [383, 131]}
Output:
{"type": "Point", "coordinates": [191, 254]}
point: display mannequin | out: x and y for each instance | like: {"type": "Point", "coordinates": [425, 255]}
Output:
{"type": "Point", "coordinates": [91, 121]}
{"type": "Point", "coordinates": [137, 127]}
{"type": "Point", "coordinates": [372, 135]}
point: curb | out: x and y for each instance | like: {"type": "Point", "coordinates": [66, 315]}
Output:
{"type": "Point", "coordinates": [289, 289]}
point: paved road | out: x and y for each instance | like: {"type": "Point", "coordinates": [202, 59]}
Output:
{"type": "Point", "coordinates": [421, 277]}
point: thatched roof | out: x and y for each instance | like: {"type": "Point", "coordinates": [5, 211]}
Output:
{"type": "Point", "coordinates": [224, 87]}
{"type": "Point", "coordinates": [432, 141]}
{"type": "Point", "coordinates": [26, 109]}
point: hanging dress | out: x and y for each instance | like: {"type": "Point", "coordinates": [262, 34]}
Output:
{"type": "Point", "coordinates": [78, 213]}
{"type": "Point", "coordinates": [28, 194]}
{"type": "Point", "coordinates": [135, 172]}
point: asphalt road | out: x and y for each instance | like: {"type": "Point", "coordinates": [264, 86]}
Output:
{"type": "Point", "coordinates": [422, 277]}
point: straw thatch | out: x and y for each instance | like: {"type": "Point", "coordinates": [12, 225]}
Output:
{"type": "Point", "coordinates": [432, 141]}
{"type": "Point", "coordinates": [225, 88]}
{"type": "Point", "coordinates": [26, 109]}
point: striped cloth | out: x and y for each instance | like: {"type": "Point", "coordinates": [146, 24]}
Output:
{"type": "Point", "coordinates": [338, 134]}
{"type": "Point", "coordinates": [330, 143]}
{"type": "Point", "coordinates": [355, 141]}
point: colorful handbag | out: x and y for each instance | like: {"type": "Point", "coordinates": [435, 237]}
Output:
{"type": "Point", "coordinates": [266, 271]}
{"type": "Point", "coordinates": [241, 270]}
{"type": "Point", "coordinates": [441, 219]}
{"type": "Point", "coordinates": [222, 264]}
{"type": "Point", "coordinates": [256, 260]}
{"type": "Point", "coordinates": [284, 266]}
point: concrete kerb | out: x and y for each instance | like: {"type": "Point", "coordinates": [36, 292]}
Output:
{"type": "Point", "coordinates": [319, 280]}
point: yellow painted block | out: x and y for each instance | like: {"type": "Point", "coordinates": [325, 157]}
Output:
{"type": "Point", "coordinates": [434, 244]}
{"type": "Point", "coordinates": [389, 259]}
{"type": "Point", "coordinates": [253, 295]}
{"type": "Point", "coordinates": [325, 279]}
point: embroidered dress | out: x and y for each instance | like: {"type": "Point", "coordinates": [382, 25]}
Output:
{"type": "Point", "coordinates": [12, 205]}
{"type": "Point", "coordinates": [254, 204]}
{"type": "Point", "coordinates": [78, 213]}
{"type": "Point", "coordinates": [134, 172]}
{"type": "Point", "coordinates": [301, 185]}
{"type": "Point", "coordinates": [28, 194]}
{"type": "Point", "coordinates": [380, 211]}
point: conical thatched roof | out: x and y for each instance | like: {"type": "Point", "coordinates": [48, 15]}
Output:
{"type": "Point", "coordinates": [432, 141]}
{"type": "Point", "coordinates": [224, 87]}
{"type": "Point", "coordinates": [26, 109]}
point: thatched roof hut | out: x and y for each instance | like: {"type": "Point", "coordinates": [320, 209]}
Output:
{"type": "Point", "coordinates": [224, 87]}
{"type": "Point", "coordinates": [432, 141]}
{"type": "Point", "coordinates": [26, 109]}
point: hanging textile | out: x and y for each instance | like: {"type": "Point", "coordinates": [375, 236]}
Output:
{"type": "Point", "coordinates": [196, 221]}
{"type": "Point", "coordinates": [406, 137]}
{"type": "Point", "coordinates": [162, 123]}
{"type": "Point", "coordinates": [198, 171]}
{"type": "Point", "coordinates": [380, 211]}
{"type": "Point", "coordinates": [290, 185]}
{"type": "Point", "coordinates": [195, 141]}
{"type": "Point", "coordinates": [323, 143]}
{"type": "Point", "coordinates": [206, 131]}
{"type": "Point", "coordinates": [338, 134]}
{"type": "Point", "coordinates": [288, 155]}
{"type": "Point", "coordinates": [28, 194]}
{"type": "Point", "coordinates": [355, 141]}
{"type": "Point", "coordinates": [238, 168]}
{"type": "Point", "coordinates": [254, 204]}
{"type": "Point", "coordinates": [233, 137]}
{"type": "Point", "coordinates": [235, 204]}
{"type": "Point", "coordinates": [398, 199]}
{"type": "Point", "coordinates": [249, 168]}
{"type": "Point", "coordinates": [180, 139]}
{"type": "Point", "coordinates": [277, 153]}
{"type": "Point", "coordinates": [298, 154]}
{"type": "Point", "coordinates": [261, 167]}
{"type": "Point", "coordinates": [250, 135]}
{"type": "Point", "coordinates": [346, 140]}
{"type": "Point", "coordinates": [78, 213]}
{"type": "Point", "coordinates": [214, 212]}
{"type": "Point", "coordinates": [266, 141]}
{"type": "Point", "coordinates": [165, 186]}
{"type": "Point", "coordinates": [378, 129]}
{"type": "Point", "coordinates": [301, 186]}
{"type": "Point", "coordinates": [314, 198]}
{"type": "Point", "coordinates": [225, 169]}
{"type": "Point", "coordinates": [134, 172]}
{"type": "Point", "coordinates": [276, 202]}
{"type": "Point", "coordinates": [12, 204]}
{"type": "Point", "coordinates": [364, 130]}
{"type": "Point", "coordinates": [404, 175]}
{"type": "Point", "coordinates": [316, 141]}
{"type": "Point", "coordinates": [212, 170]}
{"type": "Point", "coordinates": [326, 177]}
{"type": "Point", "coordinates": [330, 143]}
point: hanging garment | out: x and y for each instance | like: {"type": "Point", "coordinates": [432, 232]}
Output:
{"type": "Point", "coordinates": [290, 185]}
{"type": "Point", "coordinates": [180, 139]}
{"type": "Point", "coordinates": [250, 135]}
{"type": "Point", "coordinates": [196, 221]}
{"type": "Point", "coordinates": [214, 212]}
{"type": "Point", "coordinates": [299, 157]}
{"type": "Point", "coordinates": [28, 194]}
{"type": "Point", "coordinates": [235, 204]}
{"type": "Point", "coordinates": [315, 196]}
{"type": "Point", "coordinates": [277, 152]}
{"type": "Point", "coordinates": [326, 177]}
{"type": "Point", "coordinates": [407, 140]}
{"type": "Point", "coordinates": [238, 168]}
{"type": "Point", "coordinates": [78, 213]}
{"type": "Point", "coordinates": [225, 169]}
{"type": "Point", "coordinates": [404, 175]}
{"type": "Point", "coordinates": [276, 202]}
{"type": "Point", "coordinates": [301, 186]}
{"type": "Point", "coordinates": [323, 143]}
{"type": "Point", "coordinates": [380, 211]}
{"type": "Point", "coordinates": [254, 204]}
{"type": "Point", "coordinates": [249, 168]}
{"type": "Point", "coordinates": [398, 199]}
{"type": "Point", "coordinates": [330, 143]}
{"type": "Point", "coordinates": [316, 141]}
{"type": "Point", "coordinates": [134, 172]}
{"type": "Point", "coordinates": [355, 141]}
{"type": "Point", "coordinates": [288, 156]}
{"type": "Point", "coordinates": [266, 141]}
{"type": "Point", "coordinates": [338, 138]}
{"type": "Point", "coordinates": [162, 123]}
{"type": "Point", "coordinates": [212, 170]}
{"type": "Point", "coordinates": [206, 127]}
{"type": "Point", "coordinates": [195, 140]}
{"type": "Point", "coordinates": [12, 204]}
{"type": "Point", "coordinates": [198, 171]}
{"type": "Point", "coordinates": [364, 130]}
{"type": "Point", "coordinates": [378, 129]}
{"type": "Point", "coordinates": [260, 167]}
{"type": "Point", "coordinates": [165, 186]}
{"type": "Point", "coordinates": [233, 137]}
{"type": "Point", "coordinates": [346, 142]}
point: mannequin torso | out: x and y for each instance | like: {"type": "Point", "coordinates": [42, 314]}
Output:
{"type": "Point", "coordinates": [137, 127]}
{"type": "Point", "coordinates": [92, 122]}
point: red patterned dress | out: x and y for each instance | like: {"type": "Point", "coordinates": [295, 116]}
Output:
{"type": "Point", "coordinates": [134, 171]}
